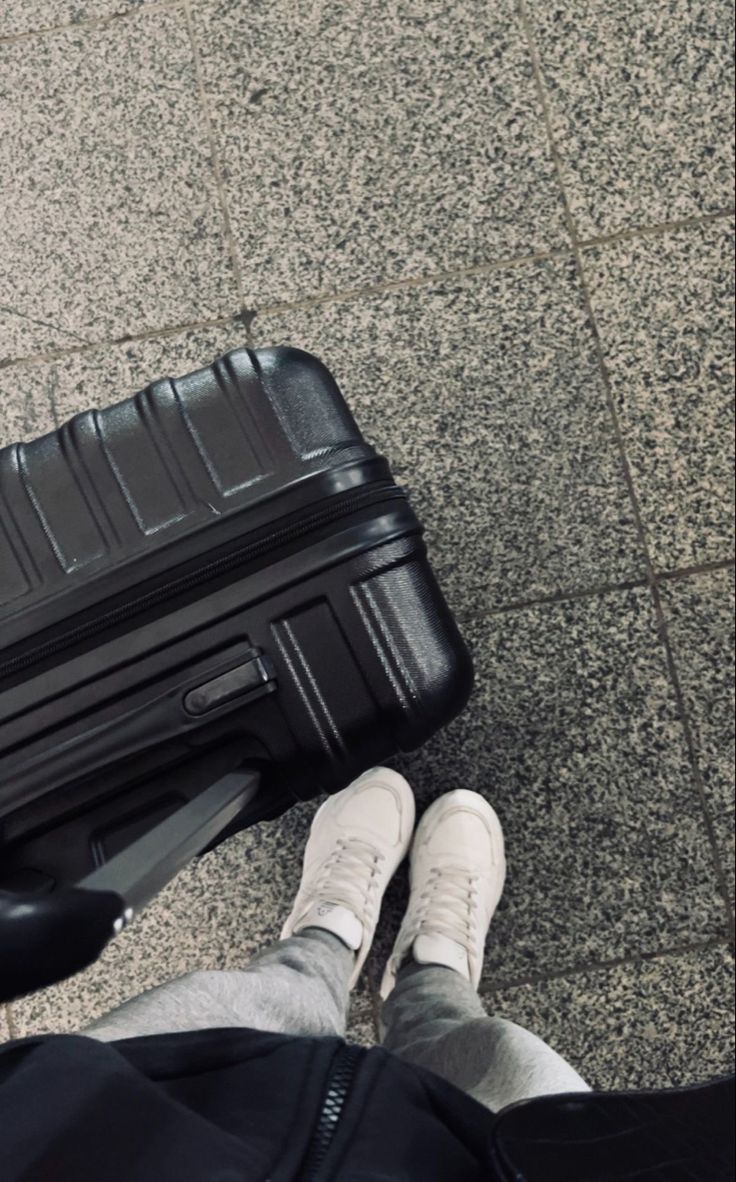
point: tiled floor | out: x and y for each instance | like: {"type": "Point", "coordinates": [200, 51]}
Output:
{"type": "Point", "coordinates": [508, 229]}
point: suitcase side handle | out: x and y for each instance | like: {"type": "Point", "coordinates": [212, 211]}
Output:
{"type": "Point", "coordinates": [48, 937]}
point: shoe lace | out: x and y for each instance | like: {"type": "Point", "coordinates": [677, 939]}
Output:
{"type": "Point", "coordinates": [350, 875]}
{"type": "Point", "coordinates": [447, 905]}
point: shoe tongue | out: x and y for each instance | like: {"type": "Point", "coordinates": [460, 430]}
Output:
{"type": "Point", "coordinates": [432, 948]}
{"type": "Point", "coordinates": [331, 917]}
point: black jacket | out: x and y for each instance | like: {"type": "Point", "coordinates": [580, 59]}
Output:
{"type": "Point", "coordinates": [244, 1106]}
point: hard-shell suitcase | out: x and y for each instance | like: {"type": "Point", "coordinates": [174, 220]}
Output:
{"type": "Point", "coordinates": [214, 600]}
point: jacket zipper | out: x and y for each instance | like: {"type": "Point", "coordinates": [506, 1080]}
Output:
{"type": "Point", "coordinates": [339, 1082]}
{"type": "Point", "coordinates": [246, 553]}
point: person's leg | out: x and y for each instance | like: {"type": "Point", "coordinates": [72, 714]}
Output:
{"type": "Point", "coordinates": [300, 985]}
{"type": "Point", "coordinates": [434, 1018]}
{"type": "Point", "coordinates": [432, 1013]}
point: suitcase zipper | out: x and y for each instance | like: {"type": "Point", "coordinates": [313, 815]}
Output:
{"type": "Point", "coordinates": [259, 548]}
{"type": "Point", "coordinates": [339, 1082]}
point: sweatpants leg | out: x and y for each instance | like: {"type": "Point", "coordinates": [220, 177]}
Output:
{"type": "Point", "coordinates": [435, 1019]}
{"type": "Point", "coordinates": [297, 986]}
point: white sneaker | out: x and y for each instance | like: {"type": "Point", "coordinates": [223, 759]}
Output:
{"type": "Point", "coordinates": [358, 839]}
{"type": "Point", "coordinates": [458, 868]}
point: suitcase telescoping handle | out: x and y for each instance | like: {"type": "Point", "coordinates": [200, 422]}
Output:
{"type": "Point", "coordinates": [48, 937]}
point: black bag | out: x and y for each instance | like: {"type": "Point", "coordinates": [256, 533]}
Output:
{"type": "Point", "coordinates": [252, 1105]}
{"type": "Point", "coordinates": [214, 601]}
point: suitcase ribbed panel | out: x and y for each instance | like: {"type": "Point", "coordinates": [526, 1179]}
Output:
{"type": "Point", "coordinates": [145, 473]}
{"type": "Point", "coordinates": [114, 484]}
{"type": "Point", "coordinates": [402, 612]}
{"type": "Point", "coordinates": [46, 504]}
{"type": "Point", "coordinates": [226, 437]}
{"type": "Point", "coordinates": [14, 581]}
{"type": "Point", "coordinates": [315, 427]}
{"type": "Point", "coordinates": [321, 663]}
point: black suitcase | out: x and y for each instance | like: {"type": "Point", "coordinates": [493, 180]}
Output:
{"type": "Point", "coordinates": [214, 601]}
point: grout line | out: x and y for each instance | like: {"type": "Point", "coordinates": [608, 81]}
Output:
{"type": "Point", "coordinates": [663, 631]}
{"type": "Point", "coordinates": [723, 881]}
{"type": "Point", "coordinates": [658, 228]}
{"type": "Point", "coordinates": [92, 22]}
{"type": "Point", "coordinates": [577, 593]}
{"type": "Point", "coordinates": [350, 293]}
{"type": "Point", "coordinates": [248, 315]}
{"type": "Point", "coordinates": [701, 569]}
{"type": "Point", "coordinates": [215, 155]}
{"type": "Point", "coordinates": [43, 323]}
{"type": "Point", "coordinates": [584, 967]}
{"type": "Point", "coordinates": [146, 334]}
{"type": "Point", "coordinates": [552, 599]}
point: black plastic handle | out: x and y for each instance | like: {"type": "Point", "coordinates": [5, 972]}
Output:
{"type": "Point", "coordinates": [44, 939]}
{"type": "Point", "coordinates": [48, 937]}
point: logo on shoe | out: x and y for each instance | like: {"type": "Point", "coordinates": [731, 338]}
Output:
{"type": "Point", "coordinates": [325, 908]}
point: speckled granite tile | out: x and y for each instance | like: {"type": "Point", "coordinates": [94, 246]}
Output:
{"type": "Point", "coordinates": [26, 409]}
{"type": "Point", "coordinates": [38, 395]}
{"type": "Point", "coordinates": [486, 397]}
{"type": "Point", "coordinates": [27, 16]}
{"type": "Point", "coordinates": [216, 914]}
{"type": "Point", "coordinates": [573, 735]}
{"type": "Point", "coordinates": [109, 216]}
{"type": "Point", "coordinates": [700, 615]}
{"type": "Point", "coordinates": [658, 1023]}
{"type": "Point", "coordinates": [640, 99]}
{"type": "Point", "coordinates": [664, 307]}
{"type": "Point", "coordinates": [4, 1024]}
{"type": "Point", "coordinates": [361, 1021]}
{"type": "Point", "coordinates": [386, 141]}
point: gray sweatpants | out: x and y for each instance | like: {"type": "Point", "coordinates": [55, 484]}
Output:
{"type": "Point", "coordinates": [433, 1018]}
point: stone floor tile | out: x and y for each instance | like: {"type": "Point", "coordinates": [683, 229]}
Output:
{"type": "Point", "coordinates": [375, 142]}
{"type": "Point", "coordinates": [655, 1023]}
{"type": "Point", "coordinates": [28, 16]}
{"type": "Point", "coordinates": [700, 615]}
{"type": "Point", "coordinates": [664, 307]}
{"type": "Point", "coordinates": [640, 100]}
{"type": "Point", "coordinates": [573, 735]}
{"type": "Point", "coordinates": [109, 215]}
{"type": "Point", "coordinates": [486, 397]}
